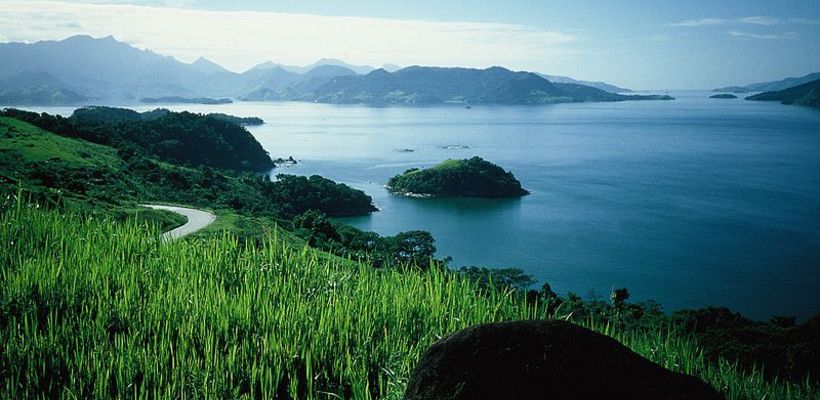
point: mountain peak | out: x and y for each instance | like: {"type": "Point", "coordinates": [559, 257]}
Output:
{"type": "Point", "coordinates": [203, 64]}
{"type": "Point", "coordinates": [359, 69]}
{"type": "Point", "coordinates": [329, 70]}
{"type": "Point", "coordinates": [263, 66]}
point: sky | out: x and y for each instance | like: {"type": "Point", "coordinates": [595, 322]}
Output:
{"type": "Point", "coordinates": [643, 45]}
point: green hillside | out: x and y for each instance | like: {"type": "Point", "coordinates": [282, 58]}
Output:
{"type": "Point", "coordinates": [92, 305]}
{"type": "Point", "coordinates": [91, 308]}
{"type": "Point", "coordinates": [807, 94]}
{"type": "Point", "coordinates": [98, 180]}
{"type": "Point", "coordinates": [23, 142]}
{"type": "Point", "coordinates": [181, 138]}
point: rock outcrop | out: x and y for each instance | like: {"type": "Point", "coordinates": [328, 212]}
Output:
{"type": "Point", "coordinates": [543, 360]}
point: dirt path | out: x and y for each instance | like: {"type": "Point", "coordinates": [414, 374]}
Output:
{"type": "Point", "coordinates": [197, 219]}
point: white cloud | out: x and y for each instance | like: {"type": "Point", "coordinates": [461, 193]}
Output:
{"type": "Point", "coordinates": [240, 39]}
{"type": "Point", "coordinates": [759, 20]}
{"type": "Point", "coordinates": [766, 36]}
{"type": "Point", "coordinates": [804, 21]}
{"type": "Point", "coordinates": [754, 20]}
{"type": "Point", "coordinates": [700, 22]}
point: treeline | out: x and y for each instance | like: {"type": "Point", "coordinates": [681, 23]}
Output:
{"type": "Point", "coordinates": [411, 249]}
{"type": "Point", "coordinates": [181, 138]}
{"type": "Point", "coordinates": [115, 115]}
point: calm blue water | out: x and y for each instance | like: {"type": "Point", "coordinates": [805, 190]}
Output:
{"type": "Point", "coordinates": [691, 202]}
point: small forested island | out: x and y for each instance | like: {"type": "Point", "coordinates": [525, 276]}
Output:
{"type": "Point", "coordinates": [723, 96]}
{"type": "Point", "coordinates": [185, 100]}
{"type": "Point", "coordinates": [474, 177]}
{"type": "Point", "coordinates": [732, 89]}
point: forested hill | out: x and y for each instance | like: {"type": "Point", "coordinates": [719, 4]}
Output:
{"type": "Point", "coordinates": [430, 85]}
{"type": "Point", "coordinates": [177, 137]}
{"type": "Point", "coordinates": [807, 94]}
{"type": "Point", "coordinates": [773, 86]}
{"type": "Point", "coordinates": [470, 177]}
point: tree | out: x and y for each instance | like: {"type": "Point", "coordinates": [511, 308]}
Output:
{"type": "Point", "coordinates": [619, 297]}
{"type": "Point", "coordinates": [498, 278]}
{"type": "Point", "coordinates": [320, 227]}
{"type": "Point", "coordinates": [413, 247]}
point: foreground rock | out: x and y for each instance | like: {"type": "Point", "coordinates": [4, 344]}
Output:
{"type": "Point", "coordinates": [543, 360]}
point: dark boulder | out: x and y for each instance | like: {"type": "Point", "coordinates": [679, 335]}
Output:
{"type": "Point", "coordinates": [543, 360]}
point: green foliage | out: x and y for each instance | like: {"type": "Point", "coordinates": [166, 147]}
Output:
{"type": "Point", "coordinates": [406, 249]}
{"type": "Point", "coordinates": [91, 308]}
{"type": "Point", "coordinates": [784, 348]}
{"type": "Point", "coordinates": [180, 138]}
{"type": "Point", "coordinates": [618, 297]}
{"type": "Point", "coordinates": [469, 177]}
{"type": "Point", "coordinates": [114, 115]}
{"type": "Point", "coordinates": [106, 115]}
{"type": "Point", "coordinates": [161, 219]}
{"type": "Point", "coordinates": [297, 194]}
{"type": "Point", "coordinates": [498, 278]}
{"type": "Point", "coordinates": [244, 121]}
{"type": "Point", "coordinates": [186, 100]}
{"type": "Point", "coordinates": [24, 143]}
{"type": "Point", "coordinates": [99, 174]}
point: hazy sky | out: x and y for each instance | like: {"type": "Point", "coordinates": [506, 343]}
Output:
{"type": "Point", "coordinates": [637, 44]}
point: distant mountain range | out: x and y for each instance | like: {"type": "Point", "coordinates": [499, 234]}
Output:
{"type": "Point", "coordinates": [82, 69]}
{"type": "Point", "coordinates": [598, 85]}
{"type": "Point", "coordinates": [806, 94]}
{"type": "Point", "coordinates": [359, 69]}
{"type": "Point", "coordinates": [770, 86]}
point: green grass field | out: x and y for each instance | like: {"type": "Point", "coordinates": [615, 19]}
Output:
{"type": "Point", "coordinates": [23, 142]}
{"type": "Point", "coordinates": [94, 308]}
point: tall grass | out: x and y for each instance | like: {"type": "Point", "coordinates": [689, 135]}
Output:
{"type": "Point", "coordinates": [91, 308]}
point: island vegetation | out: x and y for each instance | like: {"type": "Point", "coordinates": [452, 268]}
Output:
{"type": "Point", "coordinates": [732, 89]}
{"type": "Point", "coordinates": [474, 177]}
{"type": "Point", "coordinates": [723, 96]}
{"type": "Point", "coordinates": [185, 100]}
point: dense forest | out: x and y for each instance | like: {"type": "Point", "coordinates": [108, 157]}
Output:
{"type": "Point", "coordinates": [97, 173]}
{"type": "Point", "coordinates": [470, 177]}
{"type": "Point", "coordinates": [181, 138]}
